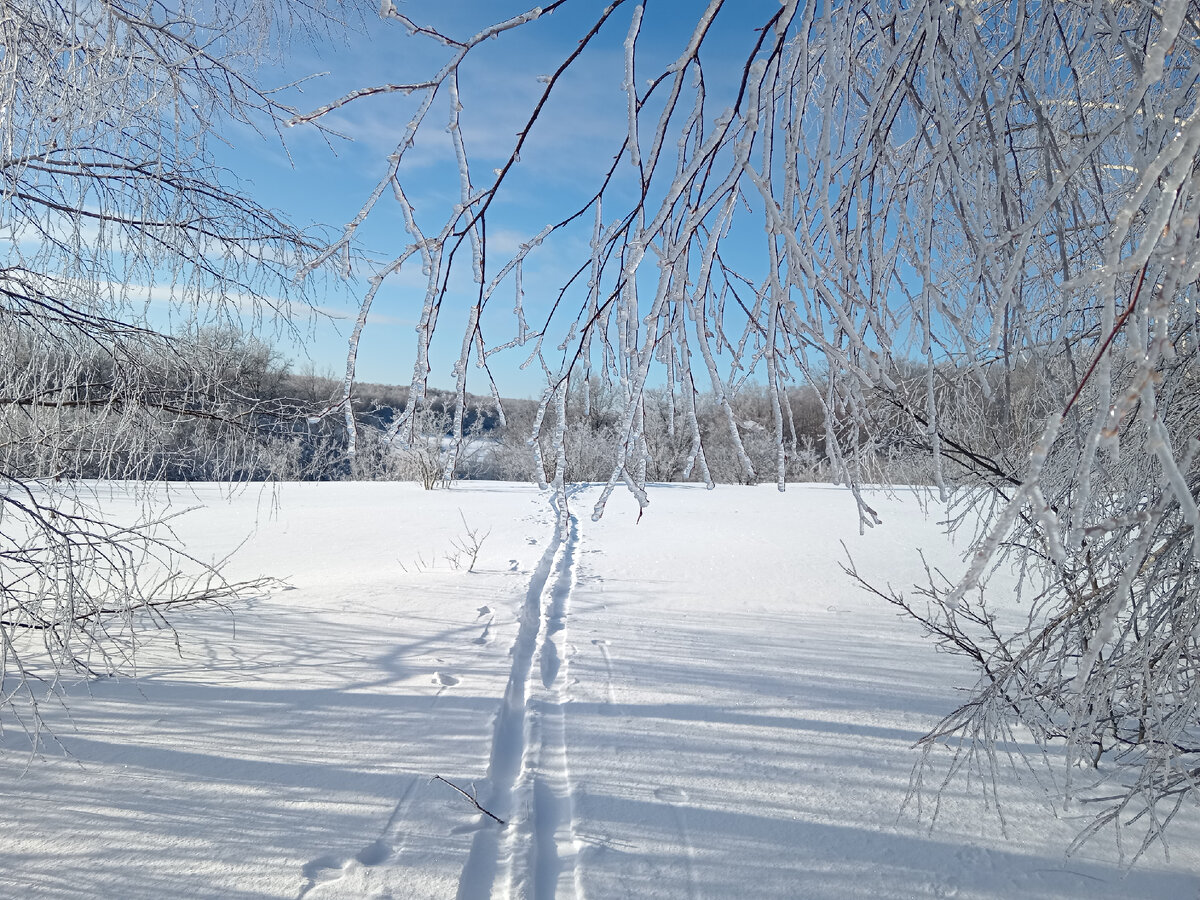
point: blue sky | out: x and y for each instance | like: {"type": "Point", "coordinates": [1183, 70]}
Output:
{"type": "Point", "coordinates": [324, 182]}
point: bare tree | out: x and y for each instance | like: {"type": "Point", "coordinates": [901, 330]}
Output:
{"type": "Point", "coordinates": [997, 198]}
{"type": "Point", "coordinates": [115, 223]}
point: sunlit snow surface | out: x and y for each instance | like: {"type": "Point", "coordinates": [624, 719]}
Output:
{"type": "Point", "coordinates": [696, 705]}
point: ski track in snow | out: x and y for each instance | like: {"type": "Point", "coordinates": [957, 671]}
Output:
{"type": "Point", "coordinates": [529, 777]}
{"type": "Point", "coordinates": [602, 645]}
{"type": "Point", "coordinates": [550, 825]}
{"type": "Point", "coordinates": [676, 798]}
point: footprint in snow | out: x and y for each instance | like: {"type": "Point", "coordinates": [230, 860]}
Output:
{"type": "Point", "coordinates": [329, 867]}
{"type": "Point", "coordinates": [445, 679]}
{"type": "Point", "coordinates": [485, 635]}
{"type": "Point", "coordinates": [323, 868]}
{"type": "Point", "coordinates": [320, 871]}
{"type": "Point", "coordinates": [373, 854]}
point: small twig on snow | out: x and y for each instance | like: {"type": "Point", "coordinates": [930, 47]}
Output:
{"type": "Point", "coordinates": [471, 797]}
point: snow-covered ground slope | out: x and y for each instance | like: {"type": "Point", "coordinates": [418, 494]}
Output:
{"type": "Point", "coordinates": [696, 705]}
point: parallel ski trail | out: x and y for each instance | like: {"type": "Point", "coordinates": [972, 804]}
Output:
{"type": "Point", "coordinates": [550, 842]}
{"type": "Point", "coordinates": [528, 784]}
{"type": "Point", "coordinates": [539, 851]}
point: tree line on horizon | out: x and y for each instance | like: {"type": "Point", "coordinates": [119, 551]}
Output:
{"type": "Point", "coordinates": [220, 404]}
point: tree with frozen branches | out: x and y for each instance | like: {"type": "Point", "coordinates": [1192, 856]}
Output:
{"type": "Point", "coordinates": [961, 214]}
{"type": "Point", "coordinates": [118, 235]}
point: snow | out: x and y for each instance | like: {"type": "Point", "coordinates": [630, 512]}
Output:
{"type": "Point", "coordinates": [699, 704]}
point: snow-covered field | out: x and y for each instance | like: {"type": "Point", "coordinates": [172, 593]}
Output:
{"type": "Point", "coordinates": [696, 705]}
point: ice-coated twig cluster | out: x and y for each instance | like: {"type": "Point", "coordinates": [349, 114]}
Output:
{"type": "Point", "coordinates": [129, 265]}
